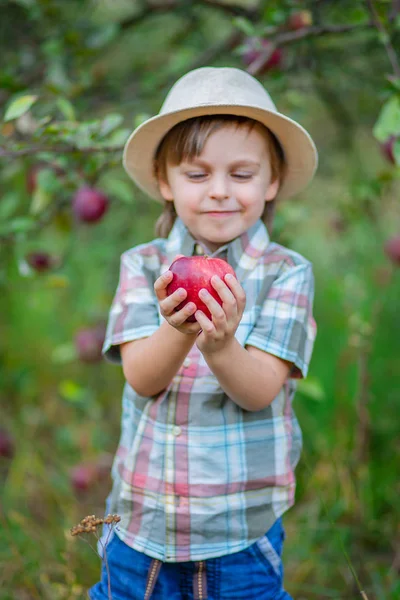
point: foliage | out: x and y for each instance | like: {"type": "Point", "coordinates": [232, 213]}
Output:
{"type": "Point", "coordinates": [76, 78]}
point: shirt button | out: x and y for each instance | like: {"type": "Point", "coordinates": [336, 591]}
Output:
{"type": "Point", "coordinates": [187, 362]}
{"type": "Point", "coordinates": [198, 250]}
{"type": "Point", "coordinates": [176, 430]}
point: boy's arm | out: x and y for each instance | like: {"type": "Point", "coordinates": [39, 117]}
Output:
{"type": "Point", "coordinates": [251, 378]}
{"type": "Point", "coordinates": [150, 364]}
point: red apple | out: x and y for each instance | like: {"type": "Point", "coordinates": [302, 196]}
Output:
{"type": "Point", "coordinates": [83, 477]}
{"type": "Point", "coordinates": [89, 204]}
{"type": "Point", "coordinates": [299, 20]}
{"type": "Point", "coordinates": [255, 46]}
{"type": "Point", "coordinates": [392, 249]}
{"type": "Point", "coordinates": [194, 273]}
{"type": "Point", "coordinates": [89, 343]}
{"type": "Point", "coordinates": [7, 447]}
{"type": "Point", "coordinates": [387, 149]}
{"type": "Point", "coordinates": [40, 261]}
{"type": "Point", "coordinates": [86, 475]}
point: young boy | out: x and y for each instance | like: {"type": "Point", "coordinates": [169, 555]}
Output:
{"type": "Point", "coordinates": [209, 443]}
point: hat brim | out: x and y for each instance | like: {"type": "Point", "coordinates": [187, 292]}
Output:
{"type": "Point", "coordinates": [301, 156]}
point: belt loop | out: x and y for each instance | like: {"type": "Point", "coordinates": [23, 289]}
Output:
{"type": "Point", "coordinates": [200, 581]}
{"type": "Point", "coordinates": [152, 575]}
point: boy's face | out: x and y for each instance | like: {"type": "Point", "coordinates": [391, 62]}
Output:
{"type": "Point", "coordinates": [222, 192]}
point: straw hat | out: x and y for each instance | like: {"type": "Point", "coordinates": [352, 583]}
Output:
{"type": "Point", "coordinates": [212, 91]}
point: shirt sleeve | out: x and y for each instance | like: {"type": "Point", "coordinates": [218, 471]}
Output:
{"type": "Point", "coordinates": [134, 310]}
{"type": "Point", "coordinates": [286, 327]}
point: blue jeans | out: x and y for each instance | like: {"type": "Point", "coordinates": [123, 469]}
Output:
{"type": "Point", "coordinates": [254, 573]}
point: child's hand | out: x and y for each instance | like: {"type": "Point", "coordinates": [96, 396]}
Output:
{"type": "Point", "coordinates": [216, 334]}
{"type": "Point", "coordinates": [168, 304]}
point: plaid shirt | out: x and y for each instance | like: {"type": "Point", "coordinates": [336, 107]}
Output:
{"type": "Point", "coordinates": [196, 476]}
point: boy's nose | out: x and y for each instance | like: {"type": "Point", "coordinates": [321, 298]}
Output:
{"type": "Point", "coordinates": [219, 188]}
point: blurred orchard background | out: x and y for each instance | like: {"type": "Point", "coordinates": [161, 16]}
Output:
{"type": "Point", "coordinates": [76, 77]}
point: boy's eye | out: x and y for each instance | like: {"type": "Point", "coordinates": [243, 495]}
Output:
{"type": "Point", "coordinates": [197, 175]}
{"type": "Point", "coordinates": [242, 175]}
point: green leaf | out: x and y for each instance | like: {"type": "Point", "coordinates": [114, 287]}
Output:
{"type": "Point", "coordinates": [48, 180]}
{"type": "Point", "coordinates": [312, 388]}
{"type": "Point", "coordinates": [102, 36]}
{"type": "Point", "coordinates": [19, 106]}
{"type": "Point", "coordinates": [18, 225]}
{"type": "Point", "coordinates": [243, 25]}
{"type": "Point", "coordinates": [8, 205]}
{"type": "Point", "coordinates": [40, 200]}
{"type": "Point", "coordinates": [25, 3]}
{"type": "Point", "coordinates": [140, 118]}
{"type": "Point", "coordinates": [118, 188]}
{"type": "Point", "coordinates": [117, 138]}
{"type": "Point", "coordinates": [71, 391]}
{"type": "Point", "coordinates": [388, 122]}
{"type": "Point", "coordinates": [66, 108]}
{"type": "Point", "coordinates": [110, 123]}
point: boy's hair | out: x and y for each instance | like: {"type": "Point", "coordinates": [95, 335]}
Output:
{"type": "Point", "coordinates": [186, 141]}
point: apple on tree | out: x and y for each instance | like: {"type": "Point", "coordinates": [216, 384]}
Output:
{"type": "Point", "coordinates": [7, 446]}
{"type": "Point", "coordinates": [392, 249]}
{"type": "Point", "coordinates": [299, 20]}
{"type": "Point", "coordinates": [87, 475]}
{"type": "Point", "coordinates": [89, 342]}
{"type": "Point", "coordinates": [387, 148]}
{"type": "Point", "coordinates": [40, 261]}
{"type": "Point", "coordinates": [254, 47]}
{"type": "Point", "coordinates": [89, 204]}
{"type": "Point", "coordinates": [194, 273]}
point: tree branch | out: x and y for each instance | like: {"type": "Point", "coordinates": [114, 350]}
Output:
{"type": "Point", "coordinates": [288, 37]}
{"type": "Point", "coordinates": [57, 150]}
{"type": "Point", "coordinates": [252, 14]}
{"type": "Point", "coordinates": [151, 8]}
{"type": "Point", "coordinates": [216, 50]}
{"type": "Point", "coordinates": [277, 39]}
{"type": "Point", "coordinates": [385, 38]}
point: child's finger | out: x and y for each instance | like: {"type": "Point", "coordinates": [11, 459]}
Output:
{"type": "Point", "coordinates": [180, 317]}
{"type": "Point", "coordinates": [161, 284]}
{"type": "Point", "coordinates": [213, 306]}
{"type": "Point", "coordinates": [224, 292]}
{"type": "Point", "coordinates": [236, 289]}
{"type": "Point", "coordinates": [206, 325]}
{"type": "Point", "coordinates": [169, 303]}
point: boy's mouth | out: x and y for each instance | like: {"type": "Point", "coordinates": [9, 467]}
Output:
{"type": "Point", "coordinates": [221, 213]}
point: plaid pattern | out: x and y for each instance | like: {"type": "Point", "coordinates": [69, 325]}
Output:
{"type": "Point", "coordinates": [196, 476]}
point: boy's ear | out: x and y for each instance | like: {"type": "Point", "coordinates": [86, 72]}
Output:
{"type": "Point", "coordinates": [272, 190]}
{"type": "Point", "coordinates": [165, 190]}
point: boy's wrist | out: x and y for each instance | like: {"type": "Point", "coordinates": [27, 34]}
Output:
{"type": "Point", "coordinates": [180, 334]}
{"type": "Point", "coordinates": [220, 354]}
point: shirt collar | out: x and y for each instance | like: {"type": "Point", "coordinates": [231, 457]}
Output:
{"type": "Point", "coordinates": [242, 253]}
